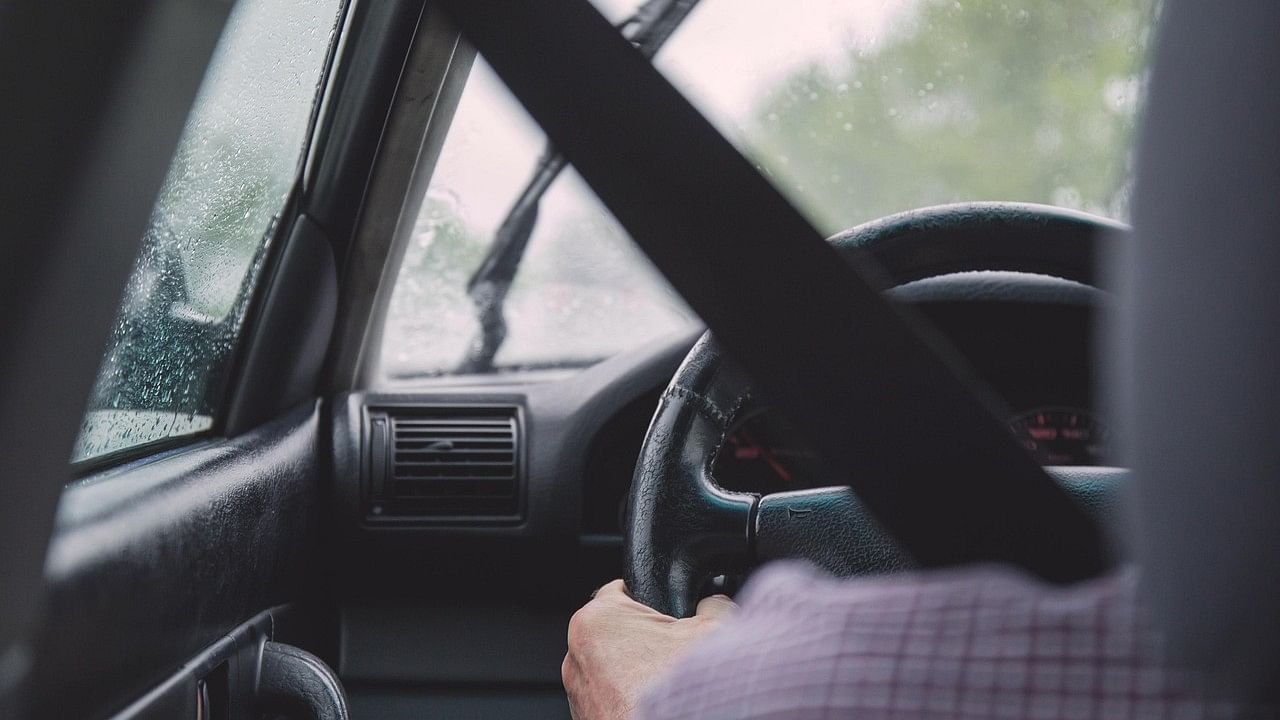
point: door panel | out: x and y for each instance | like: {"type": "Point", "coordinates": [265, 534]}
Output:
{"type": "Point", "coordinates": [153, 562]}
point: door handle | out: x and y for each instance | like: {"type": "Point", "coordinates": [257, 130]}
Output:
{"type": "Point", "coordinates": [299, 684]}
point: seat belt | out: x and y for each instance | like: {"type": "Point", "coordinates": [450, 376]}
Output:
{"type": "Point", "coordinates": [888, 405]}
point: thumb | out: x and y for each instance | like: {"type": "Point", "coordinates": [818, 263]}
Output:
{"type": "Point", "coordinates": [716, 606]}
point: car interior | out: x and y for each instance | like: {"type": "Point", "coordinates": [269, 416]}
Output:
{"type": "Point", "coordinates": [352, 345]}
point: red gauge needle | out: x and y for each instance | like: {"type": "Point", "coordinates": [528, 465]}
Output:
{"type": "Point", "coordinates": [762, 451]}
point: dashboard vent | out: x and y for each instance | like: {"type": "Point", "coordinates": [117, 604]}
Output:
{"type": "Point", "coordinates": [444, 462]}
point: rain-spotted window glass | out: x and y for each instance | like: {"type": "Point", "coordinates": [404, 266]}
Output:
{"type": "Point", "coordinates": [582, 292]}
{"type": "Point", "coordinates": [238, 157]}
{"type": "Point", "coordinates": [854, 109]}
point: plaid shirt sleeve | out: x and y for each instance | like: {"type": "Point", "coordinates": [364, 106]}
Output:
{"type": "Point", "coordinates": [982, 642]}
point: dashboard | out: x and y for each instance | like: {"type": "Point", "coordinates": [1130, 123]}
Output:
{"type": "Point", "coordinates": [1035, 357]}
{"type": "Point", "coordinates": [553, 515]}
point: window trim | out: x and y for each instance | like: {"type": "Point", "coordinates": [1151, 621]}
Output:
{"type": "Point", "coordinates": [439, 62]}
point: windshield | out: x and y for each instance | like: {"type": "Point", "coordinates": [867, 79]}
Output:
{"type": "Point", "coordinates": [855, 109]}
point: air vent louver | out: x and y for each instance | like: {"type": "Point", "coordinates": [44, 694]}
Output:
{"type": "Point", "coordinates": [444, 462]}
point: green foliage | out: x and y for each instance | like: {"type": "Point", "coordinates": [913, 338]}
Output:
{"type": "Point", "coordinates": [442, 243]}
{"type": "Point", "coordinates": [431, 316]}
{"type": "Point", "coordinates": [972, 100]}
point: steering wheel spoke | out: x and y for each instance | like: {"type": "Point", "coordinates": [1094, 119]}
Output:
{"type": "Point", "coordinates": [828, 527]}
{"type": "Point", "coordinates": [681, 532]}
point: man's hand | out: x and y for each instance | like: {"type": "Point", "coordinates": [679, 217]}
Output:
{"type": "Point", "coordinates": [617, 645]}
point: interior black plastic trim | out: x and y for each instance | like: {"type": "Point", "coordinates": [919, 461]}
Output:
{"type": "Point", "coordinates": [364, 84]}
{"type": "Point", "coordinates": [179, 695]}
{"type": "Point", "coordinates": [397, 641]}
{"type": "Point", "coordinates": [559, 419]}
{"type": "Point", "coordinates": [155, 560]}
{"type": "Point", "coordinates": [286, 347]}
{"type": "Point", "coordinates": [539, 562]}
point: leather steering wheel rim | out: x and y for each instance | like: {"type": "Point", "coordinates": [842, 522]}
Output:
{"type": "Point", "coordinates": [682, 526]}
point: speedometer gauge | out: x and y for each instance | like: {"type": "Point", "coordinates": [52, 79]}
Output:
{"type": "Point", "coordinates": [1061, 435]}
{"type": "Point", "coordinates": [763, 454]}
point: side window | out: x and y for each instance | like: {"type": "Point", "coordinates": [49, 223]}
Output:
{"type": "Point", "coordinates": [239, 156]}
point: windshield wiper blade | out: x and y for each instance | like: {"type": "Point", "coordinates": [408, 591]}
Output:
{"type": "Point", "coordinates": [648, 29]}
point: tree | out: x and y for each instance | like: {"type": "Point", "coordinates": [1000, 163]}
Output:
{"type": "Point", "coordinates": [969, 100]}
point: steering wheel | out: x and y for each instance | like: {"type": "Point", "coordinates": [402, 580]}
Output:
{"type": "Point", "coordinates": [682, 527]}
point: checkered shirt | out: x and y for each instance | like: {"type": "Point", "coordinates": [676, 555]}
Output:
{"type": "Point", "coordinates": [974, 643]}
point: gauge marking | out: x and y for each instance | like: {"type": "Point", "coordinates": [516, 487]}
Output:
{"type": "Point", "coordinates": [1061, 435]}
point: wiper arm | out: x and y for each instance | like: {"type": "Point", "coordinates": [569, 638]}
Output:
{"type": "Point", "coordinates": [648, 29]}
{"type": "Point", "coordinates": [489, 285]}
